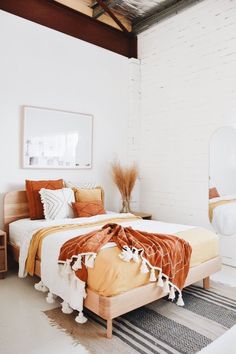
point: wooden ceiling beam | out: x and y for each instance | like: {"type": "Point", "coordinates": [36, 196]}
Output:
{"type": "Point", "coordinates": [111, 14]}
{"type": "Point", "coordinates": [54, 15]}
{"type": "Point", "coordinates": [98, 10]}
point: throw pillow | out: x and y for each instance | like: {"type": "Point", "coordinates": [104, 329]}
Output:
{"type": "Point", "coordinates": [87, 209]}
{"type": "Point", "coordinates": [32, 191]}
{"type": "Point", "coordinates": [57, 204]}
{"type": "Point", "coordinates": [89, 194]}
{"type": "Point", "coordinates": [213, 193]}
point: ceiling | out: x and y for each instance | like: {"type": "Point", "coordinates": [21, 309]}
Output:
{"type": "Point", "coordinates": [128, 15]}
{"type": "Point", "coordinates": [93, 21]}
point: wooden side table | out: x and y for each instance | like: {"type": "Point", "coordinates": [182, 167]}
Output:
{"type": "Point", "coordinates": [3, 254]}
{"type": "Point", "coordinates": [145, 216]}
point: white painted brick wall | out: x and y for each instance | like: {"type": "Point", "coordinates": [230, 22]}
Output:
{"type": "Point", "coordinates": [188, 90]}
{"type": "Point", "coordinates": [134, 125]}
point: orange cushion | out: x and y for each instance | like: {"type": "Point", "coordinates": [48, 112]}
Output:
{"type": "Point", "coordinates": [86, 209]}
{"type": "Point", "coordinates": [33, 196]}
{"type": "Point", "coordinates": [213, 193]}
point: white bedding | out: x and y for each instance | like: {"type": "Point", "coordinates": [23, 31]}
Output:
{"type": "Point", "coordinates": [224, 217]}
{"type": "Point", "coordinates": [22, 231]}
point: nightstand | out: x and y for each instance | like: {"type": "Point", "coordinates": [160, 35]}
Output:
{"type": "Point", "coordinates": [3, 254]}
{"type": "Point", "coordinates": [145, 216]}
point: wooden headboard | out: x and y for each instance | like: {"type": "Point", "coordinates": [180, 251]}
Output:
{"type": "Point", "coordinates": [15, 207]}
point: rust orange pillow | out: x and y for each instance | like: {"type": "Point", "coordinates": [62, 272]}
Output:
{"type": "Point", "coordinates": [213, 193]}
{"type": "Point", "coordinates": [87, 209]}
{"type": "Point", "coordinates": [33, 196]}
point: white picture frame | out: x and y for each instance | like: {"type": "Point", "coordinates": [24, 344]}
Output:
{"type": "Point", "coordinates": [56, 139]}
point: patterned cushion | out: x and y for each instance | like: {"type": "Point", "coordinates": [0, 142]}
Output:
{"type": "Point", "coordinates": [213, 193]}
{"type": "Point", "coordinates": [86, 209]}
{"type": "Point", "coordinates": [89, 194]}
{"type": "Point", "coordinates": [32, 190]}
{"type": "Point", "coordinates": [57, 203]}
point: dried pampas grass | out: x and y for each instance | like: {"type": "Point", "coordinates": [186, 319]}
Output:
{"type": "Point", "coordinates": [124, 178]}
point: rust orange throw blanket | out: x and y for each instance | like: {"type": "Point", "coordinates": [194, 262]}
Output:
{"type": "Point", "coordinates": [167, 254]}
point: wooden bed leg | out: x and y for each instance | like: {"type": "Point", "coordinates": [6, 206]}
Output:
{"type": "Point", "coordinates": [206, 283]}
{"type": "Point", "coordinates": [109, 329]}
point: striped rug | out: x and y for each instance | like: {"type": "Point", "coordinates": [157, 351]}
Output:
{"type": "Point", "coordinates": [160, 327]}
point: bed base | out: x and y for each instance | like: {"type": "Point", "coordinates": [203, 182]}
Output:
{"type": "Point", "coordinates": [109, 308]}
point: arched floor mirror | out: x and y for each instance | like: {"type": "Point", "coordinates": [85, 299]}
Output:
{"type": "Point", "coordinates": [222, 191]}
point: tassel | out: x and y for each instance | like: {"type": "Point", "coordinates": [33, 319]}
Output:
{"type": "Point", "coordinates": [65, 308]}
{"type": "Point", "coordinates": [144, 269]}
{"type": "Point", "coordinates": [50, 298]}
{"type": "Point", "coordinates": [81, 318]}
{"type": "Point", "coordinates": [89, 260]}
{"type": "Point", "coordinates": [172, 293]}
{"type": "Point", "coordinates": [152, 275]}
{"type": "Point", "coordinates": [166, 287]}
{"type": "Point", "coordinates": [40, 287]}
{"type": "Point", "coordinates": [126, 254]}
{"type": "Point", "coordinates": [77, 265]}
{"type": "Point", "coordinates": [135, 255]}
{"type": "Point", "coordinates": [180, 301]}
{"type": "Point", "coordinates": [160, 281]}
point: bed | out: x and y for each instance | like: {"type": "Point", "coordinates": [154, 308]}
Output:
{"type": "Point", "coordinates": [222, 214]}
{"type": "Point", "coordinates": [222, 211]}
{"type": "Point", "coordinates": [103, 302]}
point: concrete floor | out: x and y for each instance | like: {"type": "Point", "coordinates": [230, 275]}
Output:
{"type": "Point", "coordinates": [227, 276]}
{"type": "Point", "coordinates": [23, 326]}
{"type": "Point", "coordinates": [25, 329]}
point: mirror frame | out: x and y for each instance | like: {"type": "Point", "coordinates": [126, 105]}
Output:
{"type": "Point", "coordinates": [64, 164]}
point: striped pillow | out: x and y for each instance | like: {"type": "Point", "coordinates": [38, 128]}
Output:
{"type": "Point", "coordinates": [57, 204]}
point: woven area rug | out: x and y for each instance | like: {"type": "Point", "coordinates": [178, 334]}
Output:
{"type": "Point", "coordinates": [160, 327]}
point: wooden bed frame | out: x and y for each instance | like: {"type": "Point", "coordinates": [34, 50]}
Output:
{"type": "Point", "coordinates": [16, 207]}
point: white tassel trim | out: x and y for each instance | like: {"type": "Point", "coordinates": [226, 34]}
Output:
{"type": "Point", "coordinates": [65, 308]}
{"type": "Point", "coordinates": [180, 301]}
{"type": "Point", "coordinates": [40, 287]}
{"type": "Point", "coordinates": [172, 293]}
{"type": "Point", "coordinates": [77, 265]}
{"type": "Point", "coordinates": [81, 318]}
{"type": "Point", "coordinates": [89, 260]}
{"type": "Point", "coordinates": [166, 287]}
{"type": "Point", "coordinates": [160, 280]}
{"type": "Point", "coordinates": [135, 255]}
{"type": "Point", "coordinates": [144, 268]}
{"type": "Point", "coordinates": [50, 298]}
{"type": "Point", "coordinates": [126, 254]}
{"type": "Point", "coordinates": [152, 275]}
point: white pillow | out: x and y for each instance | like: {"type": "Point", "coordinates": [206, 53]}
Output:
{"type": "Point", "coordinates": [83, 185]}
{"type": "Point", "coordinates": [57, 203]}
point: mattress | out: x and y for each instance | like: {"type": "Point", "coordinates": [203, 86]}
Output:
{"type": "Point", "coordinates": [111, 275]}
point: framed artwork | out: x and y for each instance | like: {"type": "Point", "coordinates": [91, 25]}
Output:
{"type": "Point", "coordinates": [57, 139]}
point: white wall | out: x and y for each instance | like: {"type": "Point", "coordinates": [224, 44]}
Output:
{"type": "Point", "coordinates": [222, 169]}
{"type": "Point", "coordinates": [188, 76]}
{"type": "Point", "coordinates": [42, 67]}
